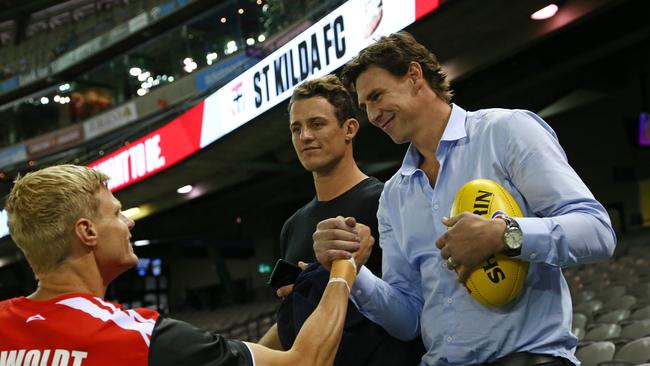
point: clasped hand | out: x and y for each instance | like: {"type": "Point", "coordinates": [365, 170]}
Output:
{"type": "Point", "coordinates": [342, 238]}
{"type": "Point", "coordinates": [470, 240]}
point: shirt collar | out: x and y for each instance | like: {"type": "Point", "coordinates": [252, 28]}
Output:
{"type": "Point", "coordinates": [454, 131]}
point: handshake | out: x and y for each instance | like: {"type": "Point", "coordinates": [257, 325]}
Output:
{"type": "Point", "coordinates": [336, 241]}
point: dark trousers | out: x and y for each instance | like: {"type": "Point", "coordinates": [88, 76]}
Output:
{"type": "Point", "coordinates": [529, 359]}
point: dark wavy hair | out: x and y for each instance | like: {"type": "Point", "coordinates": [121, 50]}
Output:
{"type": "Point", "coordinates": [332, 89]}
{"type": "Point", "coordinates": [394, 54]}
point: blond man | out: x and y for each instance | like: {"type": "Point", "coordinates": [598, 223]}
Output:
{"type": "Point", "coordinates": [73, 234]}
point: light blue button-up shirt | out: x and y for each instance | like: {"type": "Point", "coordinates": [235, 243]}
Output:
{"type": "Point", "coordinates": [564, 225]}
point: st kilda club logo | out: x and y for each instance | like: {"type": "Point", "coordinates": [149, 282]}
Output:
{"type": "Point", "coordinates": [237, 105]}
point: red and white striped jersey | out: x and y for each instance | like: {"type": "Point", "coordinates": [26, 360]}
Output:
{"type": "Point", "coordinates": [83, 330]}
{"type": "Point", "coordinates": [75, 330]}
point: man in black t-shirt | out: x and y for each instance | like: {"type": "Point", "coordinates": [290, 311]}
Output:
{"type": "Point", "coordinates": [323, 126]}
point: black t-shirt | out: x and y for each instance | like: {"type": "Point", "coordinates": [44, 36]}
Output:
{"type": "Point", "coordinates": [360, 202]}
{"type": "Point", "coordinates": [175, 342]}
{"type": "Point", "coordinates": [363, 342]}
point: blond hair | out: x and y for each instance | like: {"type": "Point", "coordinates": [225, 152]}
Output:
{"type": "Point", "coordinates": [43, 207]}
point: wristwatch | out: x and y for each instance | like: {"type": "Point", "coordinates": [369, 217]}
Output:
{"type": "Point", "coordinates": [512, 236]}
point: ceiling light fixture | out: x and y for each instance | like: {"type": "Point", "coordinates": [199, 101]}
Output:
{"type": "Point", "coordinates": [545, 13]}
{"type": "Point", "coordinates": [141, 243]}
{"type": "Point", "coordinates": [185, 189]}
{"type": "Point", "coordinates": [131, 212]}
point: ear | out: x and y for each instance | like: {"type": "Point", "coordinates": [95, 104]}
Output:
{"type": "Point", "coordinates": [415, 74]}
{"type": "Point", "coordinates": [86, 232]}
{"type": "Point", "coordinates": [351, 126]}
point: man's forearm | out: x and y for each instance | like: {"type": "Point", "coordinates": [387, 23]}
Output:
{"type": "Point", "coordinates": [319, 337]}
{"type": "Point", "coordinates": [271, 339]}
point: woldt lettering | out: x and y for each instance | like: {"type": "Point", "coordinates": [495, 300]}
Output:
{"type": "Point", "coordinates": [60, 357]}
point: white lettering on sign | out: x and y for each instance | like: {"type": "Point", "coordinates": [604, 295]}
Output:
{"type": "Point", "coordinates": [320, 49]}
{"type": "Point", "coordinates": [133, 162]}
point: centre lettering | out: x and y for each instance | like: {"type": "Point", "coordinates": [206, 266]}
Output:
{"type": "Point", "coordinates": [299, 62]}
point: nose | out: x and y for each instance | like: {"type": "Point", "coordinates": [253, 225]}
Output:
{"type": "Point", "coordinates": [306, 135]}
{"type": "Point", "coordinates": [129, 222]}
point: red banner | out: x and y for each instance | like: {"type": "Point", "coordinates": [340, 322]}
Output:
{"type": "Point", "coordinates": [154, 152]}
{"type": "Point", "coordinates": [424, 7]}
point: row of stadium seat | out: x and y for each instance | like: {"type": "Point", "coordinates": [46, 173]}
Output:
{"type": "Point", "coordinates": [246, 322]}
{"type": "Point", "coordinates": [611, 306]}
{"type": "Point", "coordinates": [605, 353]}
{"type": "Point", "coordinates": [42, 47]}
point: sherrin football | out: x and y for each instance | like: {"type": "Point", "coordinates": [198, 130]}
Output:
{"type": "Point", "coordinates": [499, 279]}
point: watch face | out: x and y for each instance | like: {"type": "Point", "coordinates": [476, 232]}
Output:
{"type": "Point", "coordinates": [514, 238]}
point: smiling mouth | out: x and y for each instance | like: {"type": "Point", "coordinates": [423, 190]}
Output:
{"type": "Point", "coordinates": [383, 127]}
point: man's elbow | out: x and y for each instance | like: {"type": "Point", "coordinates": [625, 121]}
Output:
{"type": "Point", "coordinates": [610, 241]}
{"type": "Point", "coordinates": [606, 239]}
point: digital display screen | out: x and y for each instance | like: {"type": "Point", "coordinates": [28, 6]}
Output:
{"type": "Point", "coordinates": [149, 266]}
{"type": "Point", "coordinates": [644, 129]}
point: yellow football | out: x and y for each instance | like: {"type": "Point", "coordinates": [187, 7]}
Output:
{"type": "Point", "coordinates": [499, 279]}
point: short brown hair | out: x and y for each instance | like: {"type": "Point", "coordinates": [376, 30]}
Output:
{"type": "Point", "coordinates": [331, 88]}
{"type": "Point", "coordinates": [43, 207]}
{"type": "Point", "coordinates": [394, 54]}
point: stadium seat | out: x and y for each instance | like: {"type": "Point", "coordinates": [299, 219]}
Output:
{"type": "Point", "coordinates": [636, 329]}
{"type": "Point", "coordinates": [640, 290]}
{"type": "Point", "coordinates": [616, 363]}
{"type": "Point", "coordinates": [637, 351]}
{"type": "Point", "coordinates": [595, 353]}
{"type": "Point", "coordinates": [589, 308]}
{"type": "Point", "coordinates": [620, 302]}
{"type": "Point", "coordinates": [642, 313]}
{"type": "Point", "coordinates": [580, 296]}
{"type": "Point", "coordinates": [611, 292]}
{"type": "Point", "coordinates": [613, 316]}
{"type": "Point", "coordinates": [579, 321]}
{"type": "Point", "coordinates": [603, 332]}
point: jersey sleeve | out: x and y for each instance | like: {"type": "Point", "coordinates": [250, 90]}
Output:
{"type": "Point", "coordinates": [175, 342]}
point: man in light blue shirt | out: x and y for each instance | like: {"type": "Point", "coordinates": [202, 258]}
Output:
{"type": "Point", "coordinates": [405, 93]}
